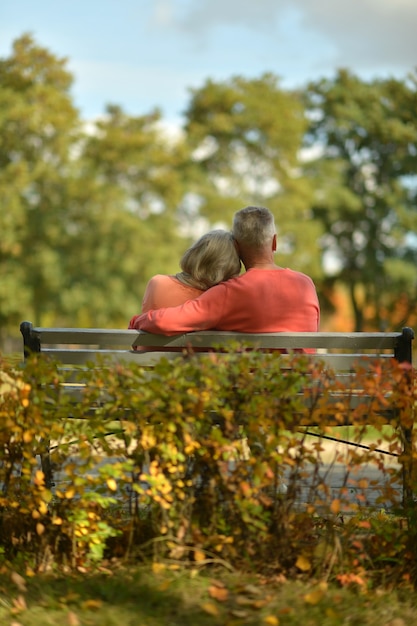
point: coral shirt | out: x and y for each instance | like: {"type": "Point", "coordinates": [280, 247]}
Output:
{"type": "Point", "coordinates": [260, 300]}
{"type": "Point", "coordinates": [162, 291]}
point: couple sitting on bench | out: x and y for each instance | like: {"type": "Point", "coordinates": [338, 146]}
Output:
{"type": "Point", "coordinates": [210, 292]}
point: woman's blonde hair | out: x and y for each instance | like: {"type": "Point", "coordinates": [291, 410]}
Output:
{"type": "Point", "coordinates": [210, 260]}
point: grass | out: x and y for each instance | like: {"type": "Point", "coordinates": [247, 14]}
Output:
{"type": "Point", "coordinates": [132, 596]}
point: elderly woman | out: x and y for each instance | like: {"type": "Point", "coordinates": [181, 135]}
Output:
{"type": "Point", "coordinates": [210, 261]}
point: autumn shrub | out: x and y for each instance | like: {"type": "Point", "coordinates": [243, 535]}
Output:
{"type": "Point", "coordinates": [204, 459]}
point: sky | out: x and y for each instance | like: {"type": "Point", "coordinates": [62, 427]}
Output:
{"type": "Point", "coordinates": [143, 54]}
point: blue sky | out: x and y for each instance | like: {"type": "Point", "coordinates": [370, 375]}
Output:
{"type": "Point", "coordinates": [142, 54]}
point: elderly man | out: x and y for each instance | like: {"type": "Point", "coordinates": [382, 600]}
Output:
{"type": "Point", "coordinates": [266, 298]}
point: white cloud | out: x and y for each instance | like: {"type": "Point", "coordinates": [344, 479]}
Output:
{"type": "Point", "coordinates": [374, 35]}
{"type": "Point", "coordinates": [163, 13]}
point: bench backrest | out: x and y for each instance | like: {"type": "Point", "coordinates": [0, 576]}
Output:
{"type": "Point", "coordinates": [78, 346]}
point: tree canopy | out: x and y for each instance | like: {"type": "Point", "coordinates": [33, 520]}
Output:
{"type": "Point", "coordinates": [90, 210]}
{"type": "Point", "coordinates": [365, 181]}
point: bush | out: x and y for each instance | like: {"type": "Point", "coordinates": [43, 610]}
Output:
{"type": "Point", "coordinates": [205, 459]}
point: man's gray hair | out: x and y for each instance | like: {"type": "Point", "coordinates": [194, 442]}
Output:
{"type": "Point", "coordinates": [254, 226]}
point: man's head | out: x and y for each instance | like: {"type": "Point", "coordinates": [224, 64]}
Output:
{"type": "Point", "coordinates": [255, 233]}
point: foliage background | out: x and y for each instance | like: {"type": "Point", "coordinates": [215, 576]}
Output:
{"type": "Point", "coordinates": [90, 211]}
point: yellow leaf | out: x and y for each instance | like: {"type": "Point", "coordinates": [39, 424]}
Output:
{"type": "Point", "coordinates": [111, 484]}
{"type": "Point", "coordinates": [210, 608]}
{"type": "Point", "coordinates": [271, 620]}
{"type": "Point", "coordinates": [314, 597]}
{"type": "Point", "coordinates": [40, 528]}
{"type": "Point", "coordinates": [70, 493]}
{"type": "Point", "coordinates": [303, 563]}
{"type": "Point", "coordinates": [43, 508]}
{"type": "Point", "coordinates": [39, 478]}
{"type": "Point", "coordinates": [199, 555]}
{"type": "Point", "coordinates": [157, 568]}
{"type": "Point", "coordinates": [164, 585]}
{"type": "Point", "coordinates": [363, 483]}
{"type": "Point", "coordinates": [92, 605]}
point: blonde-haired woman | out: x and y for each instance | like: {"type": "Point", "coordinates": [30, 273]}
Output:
{"type": "Point", "coordinates": [209, 261]}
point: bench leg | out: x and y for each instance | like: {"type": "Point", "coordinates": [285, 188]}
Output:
{"type": "Point", "coordinates": [407, 468]}
{"type": "Point", "coordinates": [46, 466]}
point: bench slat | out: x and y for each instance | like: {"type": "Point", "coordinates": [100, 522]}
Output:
{"type": "Point", "coordinates": [83, 357]}
{"type": "Point", "coordinates": [203, 339]}
{"type": "Point", "coordinates": [337, 362]}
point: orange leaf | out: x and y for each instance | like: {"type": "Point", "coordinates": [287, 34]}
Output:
{"type": "Point", "coordinates": [19, 581]}
{"type": "Point", "coordinates": [335, 507]}
{"type": "Point", "coordinates": [218, 593]}
{"type": "Point", "coordinates": [72, 619]}
{"type": "Point", "coordinates": [27, 435]}
{"type": "Point", "coordinates": [19, 604]}
{"type": "Point", "coordinates": [364, 524]}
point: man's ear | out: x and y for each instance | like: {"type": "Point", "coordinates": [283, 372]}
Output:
{"type": "Point", "coordinates": [274, 244]}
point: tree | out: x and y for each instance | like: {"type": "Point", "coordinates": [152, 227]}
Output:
{"type": "Point", "coordinates": [38, 124]}
{"type": "Point", "coordinates": [245, 137]}
{"type": "Point", "coordinates": [134, 177]}
{"type": "Point", "coordinates": [365, 196]}
{"type": "Point", "coordinates": [87, 210]}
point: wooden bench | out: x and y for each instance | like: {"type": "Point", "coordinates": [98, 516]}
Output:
{"type": "Point", "coordinates": [73, 348]}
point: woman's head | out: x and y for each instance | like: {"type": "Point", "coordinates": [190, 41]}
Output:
{"type": "Point", "coordinates": [210, 260]}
